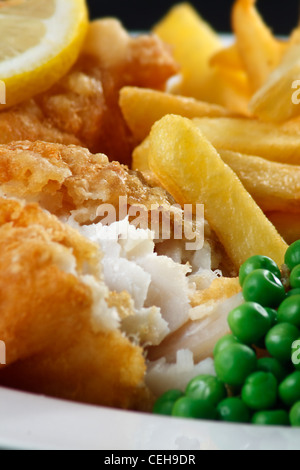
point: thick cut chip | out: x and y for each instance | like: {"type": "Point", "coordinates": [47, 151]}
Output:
{"type": "Point", "coordinates": [229, 84]}
{"type": "Point", "coordinates": [193, 42]}
{"type": "Point", "coordinates": [140, 156]}
{"type": "Point", "coordinates": [228, 58]}
{"type": "Point", "coordinates": [228, 88]}
{"type": "Point", "coordinates": [274, 186]}
{"type": "Point", "coordinates": [190, 168]}
{"type": "Point", "coordinates": [251, 137]}
{"type": "Point", "coordinates": [142, 107]}
{"type": "Point", "coordinates": [278, 99]}
{"type": "Point", "coordinates": [260, 51]}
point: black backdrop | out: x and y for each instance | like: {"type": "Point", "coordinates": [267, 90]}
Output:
{"type": "Point", "coordinates": [281, 15]}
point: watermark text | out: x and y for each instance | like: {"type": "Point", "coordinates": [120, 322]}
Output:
{"type": "Point", "coordinates": [2, 92]}
{"type": "Point", "coordinates": [165, 222]}
{"type": "Point", "coordinates": [296, 353]}
{"type": "Point", "coordinates": [2, 353]}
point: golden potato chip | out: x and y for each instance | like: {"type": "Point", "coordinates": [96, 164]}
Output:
{"type": "Point", "coordinates": [228, 58]}
{"type": "Point", "coordinates": [190, 168]}
{"type": "Point", "coordinates": [228, 88]}
{"type": "Point", "coordinates": [274, 186]}
{"type": "Point", "coordinates": [260, 51]}
{"type": "Point", "coordinates": [142, 107]}
{"type": "Point", "coordinates": [140, 156]}
{"type": "Point", "coordinates": [193, 42]}
{"type": "Point", "coordinates": [233, 88]}
{"type": "Point", "coordinates": [251, 137]}
{"type": "Point", "coordinates": [278, 99]}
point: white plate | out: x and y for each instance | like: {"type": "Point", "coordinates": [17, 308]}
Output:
{"type": "Point", "coordinates": [36, 422]}
{"type": "Point", "coordinates": [30, 421]}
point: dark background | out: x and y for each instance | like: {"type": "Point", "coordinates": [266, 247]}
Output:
{"type": "Point", "coordinates": [282, 15]}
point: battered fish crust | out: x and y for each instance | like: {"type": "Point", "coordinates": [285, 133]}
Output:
{"type": "Point", "coordinates": [82, 108]}
{"type": "Point", "coordinates": [65, 179]}
{"type": "Point", "coordinates": [50, 289]}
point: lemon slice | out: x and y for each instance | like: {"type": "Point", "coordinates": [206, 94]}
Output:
{"type": "Point", "coordinates": [39, 42]}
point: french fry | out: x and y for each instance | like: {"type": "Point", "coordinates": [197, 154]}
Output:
{"type": "Point", "coordinates": [190, 168]}
{"type": "Point", "coordinates": [278, 99]}
{"type": "Point", "coordinates": [287, 224]}
{"type": "Point", "coordinates": [233, 89]}
{"type": "Point", "coordinates": [140, 156]}
{"type": "Point", "coordinates": [274, 186]}
{"type": "Point", "coordinates": [251, 137]}
{"type": "Point", "coordinates": [292, 126]}
{"type": "Point", "coordinates": [228, 88]}
{"type": "Point", "coordinates": [228, 58]}
{"type": "Point", "coordinates": [260, 51]}
{"type": "Point", "coordinates": [193, 42]}
{"type": "Point", "coordinates": [142, 107]}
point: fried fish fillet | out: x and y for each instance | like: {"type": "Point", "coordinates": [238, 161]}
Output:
{"type": "Point", "coordinates": [69, 180]}
{"type": "Point", "coordinates": [65, 179]}
{"type": "Point", "coordinates": [82, 108]}
{"type": "Point", "coordinates": [61, 336]}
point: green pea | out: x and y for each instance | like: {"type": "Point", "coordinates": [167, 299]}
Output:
{"type": "Point", "coordinates": [260, 391]}
{"type": "Point", "coordinates": [289, 311]}
{"type": "Point", "coordinates": [295, 277]}
{"type": "Point", "coordinates": [293, 292]}
{"type": "Point", "coordinates": [295, 415]}
{"type": "Point", "coordinates": [206, 388]}
{"type": "Point", "coordinates": [273, 315]}
{"type": "Point", "coordinates": [271, 418]}
{"type": "Point", "coordinates": [187, 407]}
{"type": "Point", "coordinates": [249, 322]}
{"type": "Point", "coordinates": [258, 262]}
{"type": "Point", "coordinates": [292, 256]}
{"type": "Point", "coordinates": [262, 287]}
{"type": "Point", "coordinates": [164, 405]}
{"type": "Point", "coordinates": [279, 341]}
{"type": "Point", "coordinates": [269, 364]}
{"type": "Point", "coordinates": [223, 343]}
{"type": "Point", "coordinates": [289, 389]}
{"type": "Point", "coordinates": [235, 363]}
{"type": "Point", "coordinates": [233, 410]}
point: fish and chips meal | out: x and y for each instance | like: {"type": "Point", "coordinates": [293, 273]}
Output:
{"type": "Point", "coordinates": [149, 212]}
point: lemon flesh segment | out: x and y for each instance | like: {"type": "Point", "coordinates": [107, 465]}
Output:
{"type": "Point", "coordinates": [190, 168]}
{"type": "Point", "coordinates": [40, 40]}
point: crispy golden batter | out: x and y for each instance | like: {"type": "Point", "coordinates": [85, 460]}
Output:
{"type": "Point", "coordinates": [83, 108]}
{"type": "Point", "coordinates": [64, 179]}
{"type": "Point", "coordinates": [27, 122]}
{"type": "Point", "coordinates": [221, 288]}
{"type": "Point", "coordinates": [53, 344]}
{"type": "Point", "coordinates": [102, 369]}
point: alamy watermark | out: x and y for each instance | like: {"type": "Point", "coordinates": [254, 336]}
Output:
{"type": "Point", "coordinates": [2, 92]}
{"type": "Point", "coordinates": [296, 94]}
{"type": "Point", "coordinates": [165, 222]}
{"type": "Point", "coordinates": [2, 353]}
{"type": "Point", "coordinates": [296, 353]}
